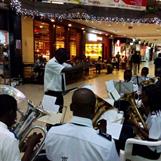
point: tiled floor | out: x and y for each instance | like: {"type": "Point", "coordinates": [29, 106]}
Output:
{"type": "Point", "coordinates": [35, 92]}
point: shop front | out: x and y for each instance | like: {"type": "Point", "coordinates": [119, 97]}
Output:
{"type": "Point", "coordinates": [93, 46]}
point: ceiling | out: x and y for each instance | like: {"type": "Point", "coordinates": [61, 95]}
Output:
{"type": "Point", "coordinates": [148, 32]}
{"type": "Point", "coordinates": [142, 31]}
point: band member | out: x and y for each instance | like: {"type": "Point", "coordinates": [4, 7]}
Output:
{"type": "Point", "coordinates": [78, 139]}
{"type": "Point", "coordinates": [54, 78]}
{"type": "Point", "coordinates": [144, 76]}
{"type": "Point", "coordinates": [9, 145]}
{"type": "Point", "coordinates": [151, 99]}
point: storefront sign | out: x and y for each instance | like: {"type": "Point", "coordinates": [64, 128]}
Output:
{"type": "Point", "coordinates": [128, 4]}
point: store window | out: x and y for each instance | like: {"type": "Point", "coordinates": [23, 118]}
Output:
{"type": "Point", "coordinates": [4, 57]}
{"type": "Point", "coordinates": [42, 40]}
{"type": "Point", "coordinates": [93, 50]}
{"type": "Point", "coordinates": [60, 37]}
{"type": "Point", "coordinates": [93, 46]}
{"type": "Point", "coordinates": [73, 42]}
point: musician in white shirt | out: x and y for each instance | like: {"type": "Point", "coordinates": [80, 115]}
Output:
{"type": "Point", "coordinates": [9, 145]}
{"type": "Point", "coordinates": [151, 98]}
{"type": "Point", "coordinates": [54, 77]}
{"type": "Point", "coordinates": [77, 140]}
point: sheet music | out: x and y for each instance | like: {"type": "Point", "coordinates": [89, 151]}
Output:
{"type": "Point", "coordinates": [123, 87]}
{"type": "Point", "coordinates": [114, 122]}
{"type": "Point", "coordinates": [52, 118]}
{"type": "Point", "coordinates": [114, 129]}
{"type": "Point", "coordinates": [109, 100]}
{"type": "Point", "coordinates": [49, 105]}
{"type": "Point", "coordinates": [112, 90]}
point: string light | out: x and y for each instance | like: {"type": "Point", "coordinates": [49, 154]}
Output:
{"type": "Point", "coordinates": [16, 4]}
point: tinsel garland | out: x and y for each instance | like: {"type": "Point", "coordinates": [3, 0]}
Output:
{"type": "Point", "coordinates": [16, 4]}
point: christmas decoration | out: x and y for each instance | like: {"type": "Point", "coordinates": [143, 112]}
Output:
{"type": "Point", "coordinates": [33, 12]}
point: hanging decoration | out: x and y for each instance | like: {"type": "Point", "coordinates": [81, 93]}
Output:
{"type": "Point", "coordinates": [33, 12]}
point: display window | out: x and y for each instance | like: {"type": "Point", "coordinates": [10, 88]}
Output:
{"type": "Point", "coordinates": [4, 56]}
{"type": "Point", "coordinates": [73, 42]}
{"type": "Point", "coordinates": [93, 50]}
{"type": "Point", "coordinates": [60, 37]}
{"type": "Point", "coordinates": [42, 40]}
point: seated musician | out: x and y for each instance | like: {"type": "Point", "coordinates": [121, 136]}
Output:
{"type": "Point", "coordinates": [9, 145]}
{"type": "Point", "coordinates": [127, 87]}
{"type": "Point", "coordinates": [139, 80]}
{"type": "Point", "coordinates": [152, 130]}
{"type": "Point", "coordinates": [78, 140]}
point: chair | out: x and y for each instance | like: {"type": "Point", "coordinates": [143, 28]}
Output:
{"type": "Point", "coordinates": [126, 155]}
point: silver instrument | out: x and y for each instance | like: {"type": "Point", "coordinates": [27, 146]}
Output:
{"type": "Point", "coordinates": [25, 125]}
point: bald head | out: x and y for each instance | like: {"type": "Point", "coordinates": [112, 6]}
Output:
{"type": "Point", "coordinates": [83, 103]}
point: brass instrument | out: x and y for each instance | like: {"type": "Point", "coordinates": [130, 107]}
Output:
{"type": "Point", "coordinates": [39, 146]}
{"type": "Point", "coordinates": [25, 124]}
{"type": "Point", "coordinates": [101, 107]}
{"type": "Point", "coordinates": [134, 112]}
{"type": "Point", "coordinates": [148, 82]}
{"type": "Point", "coordinates": [25, 127]}
{"type": "Point", "coordinates": [26, 121]}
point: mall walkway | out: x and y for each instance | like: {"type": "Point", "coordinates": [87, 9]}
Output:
{"type": "Point", "coordinates": [34, 92]}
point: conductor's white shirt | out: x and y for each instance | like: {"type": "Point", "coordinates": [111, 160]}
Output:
{"type": "Point", "coordinates": [53, 75]}
{"type": "Point", "coordinates": [78, 141]}
{"type": "Point", "coordinates": [9, 145]}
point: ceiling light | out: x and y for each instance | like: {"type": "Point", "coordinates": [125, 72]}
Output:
{"type": "Point", "coordinates": [52, 20]}
{"type": "Point", "coordinates": [69, 25]}
{"type": "Point", "coordinates": [82, 28]}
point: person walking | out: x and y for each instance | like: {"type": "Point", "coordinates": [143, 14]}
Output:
{"type": "Point", "coordinates": [136, 59]}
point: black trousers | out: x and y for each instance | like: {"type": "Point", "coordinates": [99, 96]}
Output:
{"type": "Point", "coordinates": [145, 152]}
{"type": "Point", "coordinates": [59, 98]}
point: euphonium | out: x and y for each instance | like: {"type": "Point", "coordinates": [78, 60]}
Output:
{"type": "Point", "coordinates": [101, 107]}
{"type": "Point", "coordinates": [25, 127]}
{"type": "Point", "coordinates": [26, 121]}
{"type": "Point", "coordinates": [37, 149]}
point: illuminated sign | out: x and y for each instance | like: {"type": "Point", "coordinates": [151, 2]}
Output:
{"type": "Point", "coordinates": [127, 4]}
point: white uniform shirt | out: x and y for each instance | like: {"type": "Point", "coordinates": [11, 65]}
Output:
{"type": "Point", "coordinates": [154, 125]}
{"type": "Point", "coordinates": [9, 145]}
{"type": "Point", "coordinates": [78, 141]}
{"type": "Point", "coordinates": [53, 75]}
